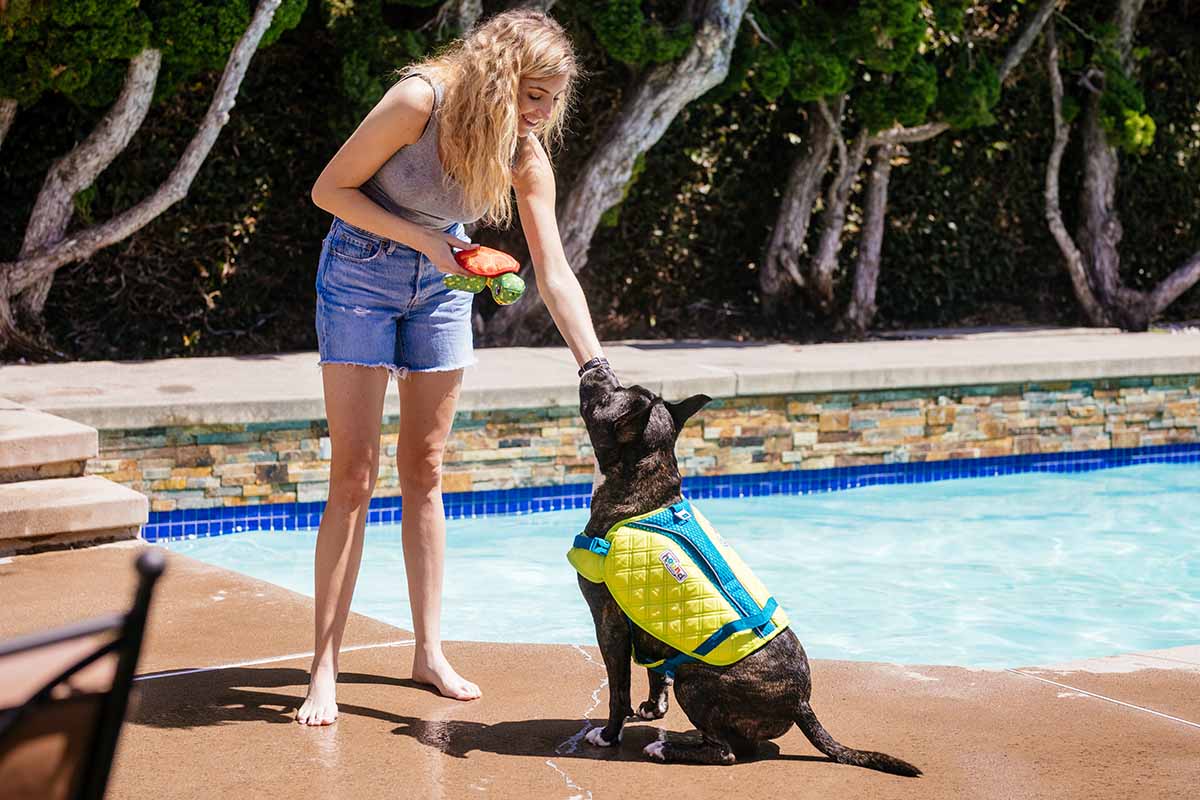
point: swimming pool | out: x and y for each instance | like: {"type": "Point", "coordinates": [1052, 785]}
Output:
{"type": "Point", "coordinates": [1018, 570]}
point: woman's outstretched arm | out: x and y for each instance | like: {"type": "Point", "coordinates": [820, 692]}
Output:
{"type": "Point", "coordinates": [533, 180]}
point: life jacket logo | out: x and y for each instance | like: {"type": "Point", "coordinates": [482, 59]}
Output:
{"type": "Point", "coordinates": [671, 562]}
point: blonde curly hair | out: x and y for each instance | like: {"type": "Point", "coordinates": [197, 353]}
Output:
{"type": "Point", "coordinates": [477, 118]}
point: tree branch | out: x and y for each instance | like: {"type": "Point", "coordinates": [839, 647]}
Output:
{"type": "Point", "coordinates": [1183, 278]}
{"type": "Point", "coordinates": [21, 274]}
{"type": "Point", "coordinates": [8, 112]}
{"type": "Point", "coordinates": [754, 24]}
{"type": "Point", "coordinates": [1127, 15]}
{"type": "Point", "coordinates": [78, 169]}
{"type": "Point", "coordinates": [902, 135]}
{"type": "Point", "coordinates": [1076, 268]}
{"type": "Point", "coordinates": [870, 247]}
{"type": "Point", "coordinates": [460, 14]}
{"type": "Point", "coordinates": [1028, 36]}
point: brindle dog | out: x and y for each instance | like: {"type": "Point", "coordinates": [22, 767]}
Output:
{"type": "Point", "coordinates": [633, 433]}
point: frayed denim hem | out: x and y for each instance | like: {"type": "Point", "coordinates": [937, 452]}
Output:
{"type": "Point", "coordinates": [394, 372]}
{"type": "Point", "coordinates": [470, 363]}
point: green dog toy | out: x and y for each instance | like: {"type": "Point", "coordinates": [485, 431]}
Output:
{"type": "Point", "coordinates": [494, 269]}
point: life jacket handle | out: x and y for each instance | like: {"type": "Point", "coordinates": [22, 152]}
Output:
{"type": "Point", "coordinates": [593, 544]}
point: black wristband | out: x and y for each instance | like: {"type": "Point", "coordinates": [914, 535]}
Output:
{"type": "Point", "coordinates": [592, 363]}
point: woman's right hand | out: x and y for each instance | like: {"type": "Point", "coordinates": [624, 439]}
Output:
{"type": "Point", "coordinates": [440, 252]}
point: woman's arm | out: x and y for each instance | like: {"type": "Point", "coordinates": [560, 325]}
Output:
{"type": "Point", "coordinates": [397, 120]}
{"type": "Point", "coordinates": [533, 180]}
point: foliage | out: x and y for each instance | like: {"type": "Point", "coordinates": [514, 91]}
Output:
{"type": "Point", "coordinates": [375, 38]}
{"type": "Point", "coordinates": [900, 61]}
{"type": "Point", "coordinates": [71, 47]}
{"type": "Point", "coordinates": [81, 48]}
{"type": "Point", "coordinates": [629, 36]}
{"type": "Point", "coordinates": [1123, 107]}
{"type": "Point", "coordinates": [231, 270]}
{"type": "Point", "coordinates": [973, 89]}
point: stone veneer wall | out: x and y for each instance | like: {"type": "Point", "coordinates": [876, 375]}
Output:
{"type": "Point", "coordinates": [288, 461]}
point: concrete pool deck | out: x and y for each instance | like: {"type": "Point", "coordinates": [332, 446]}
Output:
{"type": "Point", "coordinates": [225, 665]}
{"type": "Point", "coordinates": [235, 389]}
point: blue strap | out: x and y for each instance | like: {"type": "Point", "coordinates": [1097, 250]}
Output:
{"type": "Point", "coordinates": [669, 666]}
{"type": "Point", "coordinates": [679, 521]}
{"type": "Point", "coordinates": [592, 543]}
{"type": "Point", "coordinates": [730, 628]}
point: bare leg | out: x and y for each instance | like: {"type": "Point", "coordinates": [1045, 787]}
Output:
{"type": "Point", "coordinates": [353, 405]}
{"type": "Point", "coordinates": [427, 402]}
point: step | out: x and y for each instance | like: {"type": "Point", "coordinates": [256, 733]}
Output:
{"type": "Point", "coordinates": [68, 512]}
{"type": "Point", "coordinates": [34, 444]}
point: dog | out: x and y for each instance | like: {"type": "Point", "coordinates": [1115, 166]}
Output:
{"type": "Point", "coordinates": [734, 707]}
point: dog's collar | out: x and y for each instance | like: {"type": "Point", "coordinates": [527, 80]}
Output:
{"type": "Point", "coordinates": [593, 363]}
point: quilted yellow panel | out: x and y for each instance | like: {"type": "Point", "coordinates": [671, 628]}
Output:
{"type": "Point", "coordinates": [665, 593]}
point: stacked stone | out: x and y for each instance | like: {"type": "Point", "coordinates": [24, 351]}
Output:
{"type": "Point", "coordinates": [288, 461]}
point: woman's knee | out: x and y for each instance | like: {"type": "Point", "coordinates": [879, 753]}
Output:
{"type": "Point", "coordinates": [353, 483]}
{"type": "Point", "coordinates": [420, 469]}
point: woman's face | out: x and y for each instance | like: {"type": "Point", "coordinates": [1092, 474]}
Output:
{"type": "Point", "coordinates": [536, 98]}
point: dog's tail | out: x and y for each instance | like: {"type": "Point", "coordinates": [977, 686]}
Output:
{"type": "Point", "coordinates": [820, 738]}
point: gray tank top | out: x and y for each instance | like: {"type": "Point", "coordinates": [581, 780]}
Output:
{"type": "Point", "coordinates": [413, 185]}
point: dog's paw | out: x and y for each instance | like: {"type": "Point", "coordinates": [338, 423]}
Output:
{"type": "Point", "coordinates": [655, 750]}
{"type": "Point", "coordinates": [650, 710]}
{"type": "Point", "coordinates": [596, 736]}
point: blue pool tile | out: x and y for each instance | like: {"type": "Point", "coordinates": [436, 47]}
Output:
{"type": "Point", "coordinates": [166, 525]}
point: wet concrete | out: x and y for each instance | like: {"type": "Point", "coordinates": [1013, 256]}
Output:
{"type": "Point", "coordinates": [228, 731]}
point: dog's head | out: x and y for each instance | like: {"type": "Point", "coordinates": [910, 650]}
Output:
{"type": "Point", "coordinates": [628, 423]}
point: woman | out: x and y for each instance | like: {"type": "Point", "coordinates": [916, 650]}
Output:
{"type": "Point", "coordinates": [449, 143]}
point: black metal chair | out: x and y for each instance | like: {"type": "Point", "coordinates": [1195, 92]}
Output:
{"type": "Point", "coordinates": [60, 741]}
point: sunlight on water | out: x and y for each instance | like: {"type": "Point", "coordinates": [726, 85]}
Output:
{"type": "Point", "coordinates": [1010, 571]}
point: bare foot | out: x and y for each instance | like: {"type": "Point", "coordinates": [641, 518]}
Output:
{"type": "Point", "coordinates": [434, 669]}
{"type": "Point", "coordinates": [320, 707]}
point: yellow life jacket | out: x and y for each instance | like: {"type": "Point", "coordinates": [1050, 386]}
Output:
{"type": "Point", "coordinates": [676, 579]}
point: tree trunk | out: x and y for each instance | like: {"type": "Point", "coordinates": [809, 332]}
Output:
{"type": "Point", "coordinates": [870, 247]}
{"type": "Point", "coordinates": [20, 275]}
{"type": "Point", "coordinates": [643, 119]}
{"type": "Point", "coordinates": [1095, 265]}
{"type": "Point", "coordinates": [782, 258]}
{"type": "Point", "coordinates": [77, 171]}
{"type": "Point", "coordinates": [787, 245]}
{"type": "Point", "coordinates": [833, 220]}
{"type": "Point", "coordinates": [459, 14]}
{"type": "Point", "coordinates": [1074, 258]}
{"type": "Point", "coordinates": [1099, 233]}
{"type": "Point", "coordinates": [8, 112]}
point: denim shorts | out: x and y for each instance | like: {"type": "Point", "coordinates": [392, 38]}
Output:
{"type": "Point", "coordinates": [382, 304]}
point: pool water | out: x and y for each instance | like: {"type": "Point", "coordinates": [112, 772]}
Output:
{"type": "Point", "coordinates": [1008, 571]}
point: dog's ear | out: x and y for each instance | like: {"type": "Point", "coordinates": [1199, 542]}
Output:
{"type": "Point", "coordinates": [630, 427]}
{"type": "Point", "coordinates": [684, 409]}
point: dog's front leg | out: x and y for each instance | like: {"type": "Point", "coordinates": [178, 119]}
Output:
{"type": "Point", "coordinates": [656, 704]}
{"type": "Point", "coordinates": [612, 634]}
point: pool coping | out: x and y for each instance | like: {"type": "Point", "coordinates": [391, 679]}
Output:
{"type": "Point", "coordinates": [286, 386]}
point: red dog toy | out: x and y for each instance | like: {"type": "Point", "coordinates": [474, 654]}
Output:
{"type": "Point", "coordinates": [494, 269]}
